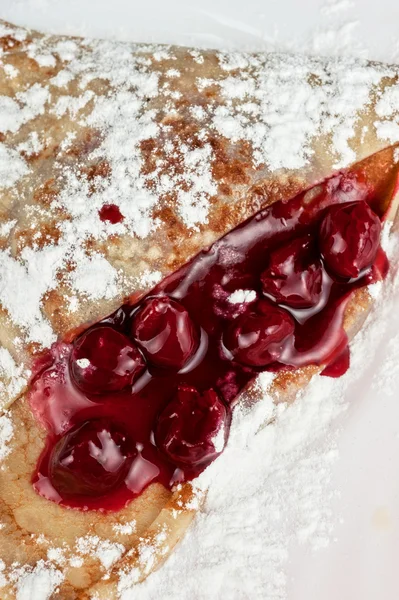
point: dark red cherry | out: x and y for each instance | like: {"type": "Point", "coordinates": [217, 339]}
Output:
{"type": "Point", "coordinates": [104, 360]}
{"type": "Point", "coordinates": [91, 459]}
{"type": "Point", "coordinates": [294, 275]}
{"type": "Point", "coordinates": [257, 337]}
{"type": "Point", "coordinates": [164, 331]}
{"type": "Point", "coordinates": [349, 238]}
{"type": "Point", "coordinates": [193, 427]}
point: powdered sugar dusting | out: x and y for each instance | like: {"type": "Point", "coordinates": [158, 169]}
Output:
{"type": "Point", "coordinates": [194, 201]}
{"type": "Point", "coordinates": [290, 107]}
{"type": "Point", "coordinates": [13, 377]}
{"type": "Point", "coordinates": [95, 277]}
{"type": "Point", "coordinates": [12, 166]}
{"type": "Point", "coordinates": [242, 296]}
{"type": "Point", "coordinates": [91, 275]}
{"type": "Point", "coordinates": [106, 552]}
{"type": "Point", "coordinates": [147, 555]}
{"type": "Point", "coordinates": [36, 273]}
{"type": "Point", "coordinates": [6, 433]}
{"type": "Point", "coordinates": [36, 584]}
{"type": "Point", "coordinates": [125, 528]}
{"type": "Point", "coordinates": [28, 104]}
{"type": "Point", "coordinates": [388, 127]}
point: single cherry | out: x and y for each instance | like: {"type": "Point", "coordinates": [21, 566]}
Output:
{"type": "Point", "coordinates": [193, 427]}
{"type": "Point", "coordinates": [104, 360]}
{"type": "Point", "coordinates": [349, 238]}
{"type": "Point", "coordinates": [92, 459]}
{"type": "Point", "coordinates": [164, 331]}
{"type": "Point", "coordinates": [257, 337]}
{"type": "Point", "coordinates": [294, 275]}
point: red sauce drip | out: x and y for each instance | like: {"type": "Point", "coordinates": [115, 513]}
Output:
{"type": "Point", "coordinates": [167, 420]}
{"type": "Point", "coordinates": [339, 366]}
{"type": "Point", "coordinates": [111, 213]}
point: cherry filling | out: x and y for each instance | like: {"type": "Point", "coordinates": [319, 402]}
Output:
{"type": "Point", "coordinates": [171, 366]}
{"type": "Point", "coordinates": [92, 459]}
{"type": "Point", "coordinates": [257, 337]}
{"type": "Point", "coordinates": [349, 238]}
{"type": "Point", "coordinates": [104, 360]}
{"type": "Point", "coordinates": [294, 275]}
{"type": "Point", "coordinates": [164, 331]}
{"type": "Point", "coordinates": [193, 427]}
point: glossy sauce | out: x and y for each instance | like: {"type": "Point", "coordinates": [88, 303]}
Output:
{"type": "Point", "coordinates": [202, 287]}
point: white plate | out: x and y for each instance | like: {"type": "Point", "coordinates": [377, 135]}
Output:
{"type": "Point", "coordinates": [362, 562]}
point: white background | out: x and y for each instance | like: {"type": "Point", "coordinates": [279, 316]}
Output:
{"type": "Point", "coordinates": [362, 563]}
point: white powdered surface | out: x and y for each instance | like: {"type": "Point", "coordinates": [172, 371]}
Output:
{"type": "Point", "coordinates": [271, 488]}
{"type": "Point", "coordinates": [38, 583]}
{"type": "Point", "coordinates": [6, 433]}
{"type": "Point", "coordinates": [105, 551]}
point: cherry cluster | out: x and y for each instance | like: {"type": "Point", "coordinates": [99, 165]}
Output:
{"type": "Point", "coordinates": [94, 456]}
{"type": "Point", "coordinates": [347, 244]}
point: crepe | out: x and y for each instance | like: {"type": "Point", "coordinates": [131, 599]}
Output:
{"type": "Point", "coordinates": [187, 144]}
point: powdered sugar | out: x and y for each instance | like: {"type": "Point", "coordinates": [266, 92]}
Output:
{"type": "Point", "coordinates": [30, 104]}
{"type": "Point", "coordinates": [6, 433]}
{"type": "Point", "coordinates": [13, 378]}
{"type": "Point", "coordinates": [242, 296]}
{"type": "Point", "coordinates": [12, 166]}
{"type": "Point", "coordinates": [106, 552]}
{"type": "Point", "coordinates": [125, 528]}
{"type": "Point", "coordinates": [92, 276]}
{"type": "Point", "coordinates": [95, 277]}
{"type": "Point", "coordinates": [291, 108]}
{"type": "Point", "coordinates": [146, 560]}
{"type": "Point", "coordinates": [388, 128]}
{"type": "Point", "coordinates": [36, 584]}
{"type": "Point", "coordinates": [33, 145]}
{"type": "Point", "coordinates": [194, 201]}
{"type": "Point", "coordinates": [36, 273]}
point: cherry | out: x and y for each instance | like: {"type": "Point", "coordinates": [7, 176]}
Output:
{"type": "Point", "coordinates": [294, 275]}
{"type": "Point", "coordinates": [257, 337]}
{"type": "Point", "coordinates": [349, 238]}
{"type": "Point", "coordinates": [91, 459]}
{"type": "Point", "coordinates": [193, 427]}
{"type": "Point", "coordinates": [104, 360]}
{"type": "Point", "coordinates": [164, 331]}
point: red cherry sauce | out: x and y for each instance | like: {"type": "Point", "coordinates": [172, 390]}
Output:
{"type": "Point", "coordinates": [182, 355]}
{"type": "Point", "coordinates": [339, 365]}
{"type": "Point", "coordinates": [111, 213]}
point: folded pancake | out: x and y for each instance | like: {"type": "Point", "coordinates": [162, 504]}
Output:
{"type": "Point", "coordinates": [118, 163]}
